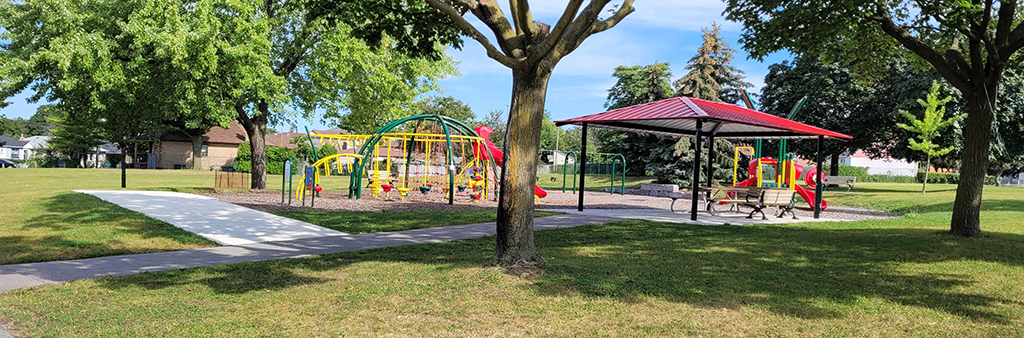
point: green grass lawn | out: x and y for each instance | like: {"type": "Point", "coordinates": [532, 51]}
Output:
{"type": "Point", "coordinates": [355, 222]}
{"type": "Point", "coordinates": [43, 220]}
{"type": "Point", "coordinates": [901, 277]}
{"type": "Point", "coordinates": [553, 182]}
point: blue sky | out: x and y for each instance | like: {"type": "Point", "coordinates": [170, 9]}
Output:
{"type": "Point", "coordinates": [660, 30]}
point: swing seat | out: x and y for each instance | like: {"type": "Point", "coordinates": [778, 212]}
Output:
{"type": "Point", "coordinates": [387, 187]}
{"type": "Point", "coordinates": [462, 187]}
{"type": "Point", "coordinates": [425, 189]}
{"type": "Point", "coordinates": [403, 191]}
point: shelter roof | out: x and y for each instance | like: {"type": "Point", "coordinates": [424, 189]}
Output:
{"type": "Point", "coordinates": [678, 116]}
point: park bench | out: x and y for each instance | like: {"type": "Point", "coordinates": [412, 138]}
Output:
{"type": "Point", "coordinates": [676, 195]}
{"type": "Point", "coordinates": [848, 181]}
{"type": "Point", "coordinates": [777, 198]}
{"type": "Point", "coordinates": [736, 197]}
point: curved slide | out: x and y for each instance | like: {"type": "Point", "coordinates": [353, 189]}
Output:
{"type": "Point", "coordinates": [806, 194]}
{"type": "Point", "coordinates": [499, 155]}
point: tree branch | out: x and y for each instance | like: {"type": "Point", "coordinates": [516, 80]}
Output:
{"type": "Point", "coordinates": [955, 77]}
{"type": "Point", "coordinates": [523, 19]}
{"type": "Point", "coordinates": [556, 33]}
{"type": "Point", "coordinates": [508, 40]}
{"type": "Point", "coordinates": [603, 25]}
{"type": "Point", "coordinates": [1006, 10]}
{"type": "Point", "coordinates": [472, 32]}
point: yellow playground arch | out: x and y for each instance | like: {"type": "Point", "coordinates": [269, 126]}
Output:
{"type": "Point", "coordinates": [325, 164]}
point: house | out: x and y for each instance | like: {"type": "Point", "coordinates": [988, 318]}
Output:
{"type": "Point", "coordinates": [879, 166]}
{"type": "Point", "coordinates": [219, 149]}
{"type": "Point", "coordinates": [12, 149]}
{"type": "Point", "coordinates": [35, 145]}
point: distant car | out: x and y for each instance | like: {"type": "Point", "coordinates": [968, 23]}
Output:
{"type": "Point", "coordinates": [7, 164]}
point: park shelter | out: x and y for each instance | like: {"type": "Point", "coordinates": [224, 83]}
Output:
{"type": "Point", "coordinates": [701, 119]}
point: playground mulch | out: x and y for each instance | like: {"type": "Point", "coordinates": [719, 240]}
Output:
{"type": "Point", "coordinates": [333, 200]}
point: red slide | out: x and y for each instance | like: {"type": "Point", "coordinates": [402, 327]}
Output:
{"type": "Point", "coordinates": [499, 155]}
{"type": "Point", "coordinates": [807, 195]}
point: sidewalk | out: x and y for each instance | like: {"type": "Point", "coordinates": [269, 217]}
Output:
{"type": "Point", "coordinates": [221, 222]}
{"type": "Point", "coordinates": [31, 274]}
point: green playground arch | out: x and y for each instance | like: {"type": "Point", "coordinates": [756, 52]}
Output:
{"type": "Point", "coordinates": [448, 125]}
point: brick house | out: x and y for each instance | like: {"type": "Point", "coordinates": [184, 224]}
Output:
{"type": "Point", "coordinates": [220, 147]}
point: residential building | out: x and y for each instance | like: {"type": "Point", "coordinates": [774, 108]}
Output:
{"type": "Point", "coordinates": [12, 149]}
{"type": "Point", "coordinates": [219, 149]}
{"type": "Point", "coordinates": [880, 166]}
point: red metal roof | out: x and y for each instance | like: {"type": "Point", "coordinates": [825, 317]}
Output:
{"type": "Point", "coordinates": [678, 117]}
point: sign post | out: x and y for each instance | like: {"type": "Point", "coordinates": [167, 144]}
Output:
{"type": "Point", "coordinates": [287, 178]}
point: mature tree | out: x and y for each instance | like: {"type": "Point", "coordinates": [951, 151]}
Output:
{"type": "Point", "coordinates": [968, 43]}
{"type": "Point", "coordinates": [531, 49]}
{"type": "Point", "coordinates": [448, 106]}
{"type": "Point", "coordinates": [711, 77]}
{"type": "Point", "coordinates": [636, 85]}
{"type": "Point", "coordinates": [836, 100]}
{"type": "Point", "coordinates": [927, 128]}
{"type": "Point", "coordinates": [74, 137]}
{"type": "Point", "coordinates": [316, 64]}
{"type": "Point", "coordinates": [123, 78]}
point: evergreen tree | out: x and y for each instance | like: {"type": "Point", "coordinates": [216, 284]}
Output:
{"type": "Point", "coordinates": [711, 77]}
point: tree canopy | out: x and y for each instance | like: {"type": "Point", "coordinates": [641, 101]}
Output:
{"type": "Point", "coordinates": [710, 75]}
{"type": "Point", "coordinates": [970, 44]}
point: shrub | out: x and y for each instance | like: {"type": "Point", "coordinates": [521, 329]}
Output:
{"type": "Point", "coordinates": [949, 178]}
{"type": "Point", "coordinates": [275, 159]}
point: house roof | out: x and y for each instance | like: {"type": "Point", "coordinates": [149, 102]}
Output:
{"type": "Point", "coordinates": [678, 116]}
{"type": "Point", "coordinates": [283, 139]}
{"type": "Point", "coordinates": [10, 142]}
{"type": "Point", "coordinates": [332, 131]}
{"type": "Point", "coordinates": [235, 134]}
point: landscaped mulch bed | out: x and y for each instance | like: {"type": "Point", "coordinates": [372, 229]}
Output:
{"type": "Point", "coordinates": [334, 200]}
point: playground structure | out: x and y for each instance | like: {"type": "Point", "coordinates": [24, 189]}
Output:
{"type": "Point", "coordinates": [429, 154]}
{"type": "Point", "coordinates": [770, 173]}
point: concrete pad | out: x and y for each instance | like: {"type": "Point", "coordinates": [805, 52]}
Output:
{"type": "Point", "coordinates": [703, 218]}
{"type": "Point", "coordinates": [221, 222]}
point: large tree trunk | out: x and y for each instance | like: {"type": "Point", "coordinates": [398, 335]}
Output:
{"type": "Point", "coordinates": [256, 128]}
{"type": "Point", "coordinates": [519, 173]}
{"type": "Point", "coordinates": [977, 134]}
{"type": "Point", "coordinates": [833, 165]}
{"type": "Point", "coordinates": [197, 151]}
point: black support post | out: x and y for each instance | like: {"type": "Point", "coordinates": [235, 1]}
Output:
{"type": "Point", "coordinates": [694, 193]}
{"type": "Point", "coordinates": [817, 178]}
{"type": "Point", "coordinates": [583, 166]}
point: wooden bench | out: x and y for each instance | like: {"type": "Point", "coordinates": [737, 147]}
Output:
{"type": "Point", "coordinates": [778, 198]}
{"type": "Point", "coordinates": [848, 181]}
{"type": "Point", "coordinates": [741, 196]}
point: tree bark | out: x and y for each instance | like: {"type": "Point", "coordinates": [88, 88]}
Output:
{"type": "Point", "coordinates": [516, 202]}
{"type": "Point", "coordinates": [833, 164]}
{"type": "Point", "coordinates": [197, 151]}
{"type": "Point", "coordinates": [256, 129]}
{"type": "Point", "coordinates": [927, 169]}
{"type": "Point", "coordinates": [977, 133]}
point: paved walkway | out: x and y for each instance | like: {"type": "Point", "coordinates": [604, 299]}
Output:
{"type": "Point", "coordinates": [703, 218]}
{"type": "Point", "coordinates": [221, 222]}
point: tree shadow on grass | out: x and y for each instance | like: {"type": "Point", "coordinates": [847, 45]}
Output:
{"type": "Point", "coordinates": [74, 225]}
{"type": "Point", "coordinates": [789, 271]}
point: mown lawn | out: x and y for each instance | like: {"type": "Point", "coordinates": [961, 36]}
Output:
{"type": "Point", "coordinates": [355, 222]}
{"type": "Point", "coordinates": [894, 278]}
{"type": "Point", "coordinates": [43, 220]}
{"type": "Point", "coordinates": [553, 182]}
